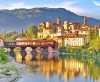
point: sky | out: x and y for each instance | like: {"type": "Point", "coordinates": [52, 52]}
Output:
{"type": "Point", "coordinates": [90, 8]}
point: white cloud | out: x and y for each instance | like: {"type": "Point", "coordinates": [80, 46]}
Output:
{"type": "Point", "coordinates": [15, 6]}
{"type": "Point", "coordinates": [68, 4]}
{"type": "Point", "coordinates": [95, 2]}
{"type": "Point", "coordinates": [71, 6]}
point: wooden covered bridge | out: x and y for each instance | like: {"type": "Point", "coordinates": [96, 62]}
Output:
{"type": "Point", "coordinates": [44, 43]}
{"type": "Point", "coordinates": [28, 49]}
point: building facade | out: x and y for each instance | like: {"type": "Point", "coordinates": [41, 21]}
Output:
{"type": "Point", "coordinates": [99, 32]}
{"type": "Point", "coordinates": [74, 41]}
{"type": "Point", "coordinates": [69, 34]}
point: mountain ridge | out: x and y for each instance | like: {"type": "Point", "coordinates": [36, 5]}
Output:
{"type": "Point", "coordinates": [11, 20]}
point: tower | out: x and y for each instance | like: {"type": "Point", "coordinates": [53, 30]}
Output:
{"type": "Point", "coordinates": [85, 20]}
{"type": "Point", "coordinates": [22, 32]}
{"type": "Point", "coordinates": [58, 21]}
{"type": "Point", "coordinates": [85, 25]}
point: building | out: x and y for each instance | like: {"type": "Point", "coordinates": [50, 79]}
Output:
{"type": "Point", "coordinates": [44, 29]}
{"type": "Point", "coordinates": [48, 25]}
{"type": "Point", "coordinates": [59, 40]}
{"type": "Point", "coordinates": [85, 27]}
{"type": "Point", "coordinates": [1, 42]}
{"type": "Point", "coordinates": [65, 25]}
{"type": "Point", "coordinates": [99, 32]}
{"type": "Point", "coordinates": [58, 21]}
{"type": "Point", "coordinates": [69, 34]}
{"type": "Point", "coordinates": [76, 34]}
{"type": "Point", "coordinates": [74, 41]}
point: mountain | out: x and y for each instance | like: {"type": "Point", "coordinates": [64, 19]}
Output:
{"type": "Point", "coordinates": [11, 20]}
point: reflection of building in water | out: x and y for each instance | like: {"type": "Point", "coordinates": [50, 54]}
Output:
{"type": "Point", "coordinates": [28, 57]}
{"type": "Point", "coordinates": [67, 68]}
{"type": "Point", "coordinates": [18, 55]}
{"type": "Point", "coordinates": [58, 67]}
{"type": "Point", "coordinates": [74, 68]}
{"type": "Point", "coordinates": [47, 68]}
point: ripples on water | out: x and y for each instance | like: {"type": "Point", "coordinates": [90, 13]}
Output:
{"type": "Point", "coordinates": [62, 70]}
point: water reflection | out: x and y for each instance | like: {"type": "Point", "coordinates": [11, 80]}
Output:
{"type": "Point", "coordinates": [59, 70]}
{"type": "Point", "coordinates": [28, 54]}
{"type": "Point", "coordinates": [68, 69]}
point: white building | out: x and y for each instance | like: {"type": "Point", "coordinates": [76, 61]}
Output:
{"type": "Point", "coordinates": [74, 41]}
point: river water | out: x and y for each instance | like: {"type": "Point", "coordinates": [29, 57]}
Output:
{"type": "Point", "coordinates": [62, 70]}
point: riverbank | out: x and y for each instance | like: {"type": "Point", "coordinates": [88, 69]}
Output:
{"type": "Point", "coordinates": [11, 71]}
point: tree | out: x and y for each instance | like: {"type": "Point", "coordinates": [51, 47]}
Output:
{"type": "Point", "coordinates": [95, 43]}
{"type": "Point", "coordinates": [3, 56]}
{"type": "Point", "coordinates": [31, 32]}
{"type": "Point", "coordinates": [93, 33]}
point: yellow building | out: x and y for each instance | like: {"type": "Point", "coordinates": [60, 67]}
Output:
{"type": "Point", "coordinates": [65, 25]}
{"type": "Point", "coordinates": [99, 32]}
{"type": "Point", "coordinates": [43, 35]}
{"type": "Point", "coordinates": [44, 30]}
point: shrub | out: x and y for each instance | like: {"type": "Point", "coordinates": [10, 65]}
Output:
{"type": "Point", "coordinates": [3, 55]}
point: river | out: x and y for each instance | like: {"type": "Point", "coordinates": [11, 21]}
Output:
{"type": "Point", "coordinates": [62, 70]}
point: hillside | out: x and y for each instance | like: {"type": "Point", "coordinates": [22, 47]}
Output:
{"type": "Point", "coordinates": [11, 20]}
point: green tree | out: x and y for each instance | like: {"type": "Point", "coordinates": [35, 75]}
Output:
{"type": "Point", "coordinates": [95, 43]}
{"type": "Point", "coordinates": [3, 55]}
{"type": "Point", "coordinates": [93, 33]}
{"type": "Point", "coordinates": [31, 32]}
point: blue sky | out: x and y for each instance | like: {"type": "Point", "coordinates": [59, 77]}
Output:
{"type": "Point", "coordinates": [89, 8]}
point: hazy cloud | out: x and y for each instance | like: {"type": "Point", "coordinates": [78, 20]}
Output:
{"type": "Point", "coordinates": [15, 6]}
{"type": "Point", "coordinates": [72, 6]}
{"type": "Point", "coordinates": [96, 2]}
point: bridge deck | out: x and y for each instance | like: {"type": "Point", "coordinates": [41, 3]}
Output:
{"type": "Point", "coordinates": [30, 43]}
